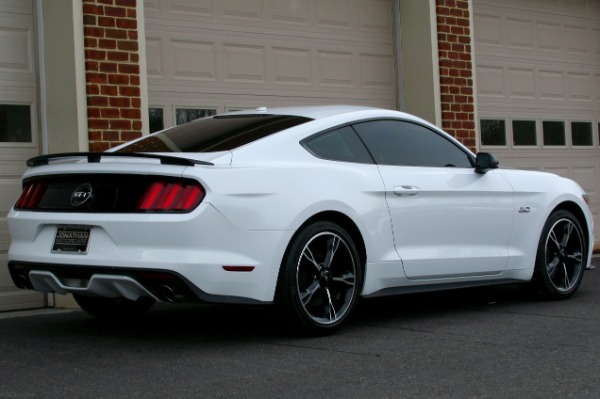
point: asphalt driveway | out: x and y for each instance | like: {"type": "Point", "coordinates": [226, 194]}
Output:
{"type": "Point", "coordinates": [477, 343]}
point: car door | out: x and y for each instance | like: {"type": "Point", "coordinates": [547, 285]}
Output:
{"type": "Point", "coordinates": [448, 221]}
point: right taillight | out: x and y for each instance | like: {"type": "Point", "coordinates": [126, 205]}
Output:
{"type": "Point", "coordinates": [31, 196]}
{"type": "Point", "coordinates": [171, 196]}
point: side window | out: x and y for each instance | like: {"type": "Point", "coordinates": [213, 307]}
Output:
{"type": "Point", "coordinates": [338, 145]}
{"type": "Point", "coordinates": [405, 143]}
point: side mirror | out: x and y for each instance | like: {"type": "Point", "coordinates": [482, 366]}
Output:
{"type": "Point", "coordinates": [485, 162]}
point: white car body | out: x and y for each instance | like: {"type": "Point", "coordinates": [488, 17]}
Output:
{"type": "Point", "coordinates": [422, 228]}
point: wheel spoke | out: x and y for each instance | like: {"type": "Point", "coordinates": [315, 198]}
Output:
{"type": "Point", "coordinates": [346, 278]}
{"type": "Point", "coordinates": [567, 230]}
{"type": "Point", "coordinates": [307, 253]}
{"type": "Point", "coordinates": [332, 245]}
{"type": "Point", "coordinates": [567, 282]}
{"type": "Point", "coordinates": [551, 266]}
{"type": "Point", "coordinates": [307, 295]}
{"type": "Point", "coordinates": [332, 312]}
{"type": "Point", "coordinates": [576, 256]}
{"type": "Point", "coordinates": [554, 239]}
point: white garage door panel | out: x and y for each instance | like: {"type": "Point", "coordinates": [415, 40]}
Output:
{"type": "Point", "coordinates": [16, 49]}
{"type": "Point", "coordinates": [15, 7]}
{"type": "Point", "coordinates": [17, 87]}
{"type": "Point", "coordinates": [266, 52]}
{"type": "Point", "coordinates": [539, 60]}
{"type": "Point", "coordinates": [13, 160]}
{"type": "Point", "coordinates": [218, 65]}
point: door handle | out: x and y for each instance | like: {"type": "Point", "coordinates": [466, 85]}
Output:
{"type": "Point", "coordinates": [406, 190]}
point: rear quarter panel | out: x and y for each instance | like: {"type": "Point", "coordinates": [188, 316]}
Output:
{"type": "Point", "coordinates": [282, 187]}
{"type": "Point", "coordinates": [284, 195]}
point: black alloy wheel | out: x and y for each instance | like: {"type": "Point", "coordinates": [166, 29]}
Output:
{"type": "Point", "coordinates": [561, 256]}
{"type": "Point", "coordinates": [321, 277]}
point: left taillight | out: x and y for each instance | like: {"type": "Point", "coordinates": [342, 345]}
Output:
{"type": "Point", "coordinates": [31, 196]}
{"type": "Point", "coordinates": [171, 196]}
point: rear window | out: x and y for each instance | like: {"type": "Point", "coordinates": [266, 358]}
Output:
{"type": "Point", "coordinates": [218, 133]}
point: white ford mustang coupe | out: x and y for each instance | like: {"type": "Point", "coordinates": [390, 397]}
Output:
{"type": "Point", "coordinates": [306, 208]}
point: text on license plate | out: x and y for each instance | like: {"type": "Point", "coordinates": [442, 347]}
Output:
{"type": "Point", "coordinates": [72, 239]}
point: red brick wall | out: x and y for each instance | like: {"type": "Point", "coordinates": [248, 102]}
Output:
{"type": "Point", "coordinates": [456, 70]}
{"type": "Point", "coordinates": [112, 72]}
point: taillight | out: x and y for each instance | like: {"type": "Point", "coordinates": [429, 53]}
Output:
{"type": "Point", "coordinates": [169, 196]}
{"type": "Point", "coordinates": [31, 196]}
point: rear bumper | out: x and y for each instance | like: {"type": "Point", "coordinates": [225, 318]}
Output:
{"type": "Point", "coordinates": [113, 282]}
{"type": "Point", "coordinates": [192, 247]}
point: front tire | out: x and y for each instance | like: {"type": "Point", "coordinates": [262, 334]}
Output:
{"type": "Point", "coordinates": [320, 279]}
{"type": "Point", "coordinates": [561, 257]}
{"type": "Point", "coordinates": [113, 308]}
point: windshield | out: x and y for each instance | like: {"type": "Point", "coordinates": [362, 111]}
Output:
{"type": "Point", "coordinates": [218, 133]}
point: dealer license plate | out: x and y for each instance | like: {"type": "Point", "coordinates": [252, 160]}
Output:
{"type": "Point", "coordinates": [72, 240]}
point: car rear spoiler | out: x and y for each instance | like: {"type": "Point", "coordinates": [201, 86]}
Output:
{"type": "Point", "coordinates": [94, 157]}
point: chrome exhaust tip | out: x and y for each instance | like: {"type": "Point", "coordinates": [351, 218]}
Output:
{"type": "Point", "coordinates": [168, 293]}
{"type": "Point", "coordinates": [23, 282]}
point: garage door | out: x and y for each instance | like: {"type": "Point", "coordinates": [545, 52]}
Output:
{"type": "Point", "coordinates": [538, 86]}
{"type": "Point", "coordinates": [18, 129]}
{"type": "Point", "coordinates": [205, 57]}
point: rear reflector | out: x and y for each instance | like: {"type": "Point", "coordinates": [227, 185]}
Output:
{"type": "Point", "coordinates": [176, 196]}
{"type": "Point", "coordinates": [238, 268]}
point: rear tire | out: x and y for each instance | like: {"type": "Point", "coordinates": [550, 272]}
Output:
{"type": "Point", "coordinates": [320, 279]}
{"type": "Point", "coordinates": [113, 308]}
{"type": "Point", "coordinates": [561, 257]}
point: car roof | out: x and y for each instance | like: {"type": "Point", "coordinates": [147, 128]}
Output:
{"type": "Point", "coordinates": [312, 112]}
{"type": "Point", "coordinates": [317, 112]}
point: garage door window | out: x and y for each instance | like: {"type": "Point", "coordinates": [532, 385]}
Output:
{"type": "Point", "coordinates": [157, 119]}
{"type": "Point", "coordinates": [493, 132]}
{"type": "Point", "coordinates": [581, 133]}
{"type": "Point", "coordinates": [524, 133]}
{"type": "Point", "coordinates": [15, 123]}
{"type": "Point", "coordinates": [554, 133]}
{"type": "Point", "coordinates": [185, 115]}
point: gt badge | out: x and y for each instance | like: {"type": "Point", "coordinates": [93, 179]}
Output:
{"type": "Point", "coordinates": [82, 195]}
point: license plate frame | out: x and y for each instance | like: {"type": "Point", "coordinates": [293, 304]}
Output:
{"type": "Point", "coordinates": [72, 239]}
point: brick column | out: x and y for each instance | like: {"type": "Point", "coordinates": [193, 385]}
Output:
{"type": "Point", "coordinates": [456, 70]}
{"type": "Point", "coordinates": [112, 72]}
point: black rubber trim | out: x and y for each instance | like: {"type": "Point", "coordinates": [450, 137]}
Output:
{"type": "Point", "coordinates": [415, 289]}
